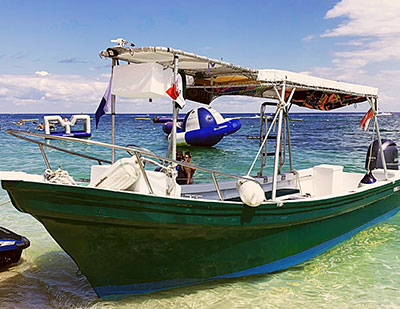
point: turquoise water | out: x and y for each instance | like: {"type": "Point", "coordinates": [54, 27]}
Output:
{"type": "Point", "coordinates": [363, 272]}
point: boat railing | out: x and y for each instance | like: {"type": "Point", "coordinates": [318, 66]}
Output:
{"type": "Point", "coordinates": [138, 152]}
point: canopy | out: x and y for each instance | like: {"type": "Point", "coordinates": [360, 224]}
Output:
{"type": "Point", "coordinates": [207, 79]}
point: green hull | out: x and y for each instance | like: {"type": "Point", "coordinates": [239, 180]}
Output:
{"type": "Point", "coordinates": [128, 243]}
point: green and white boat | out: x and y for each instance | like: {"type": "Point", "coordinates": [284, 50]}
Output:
{"type": "Point", "coordinates": [134, 230]}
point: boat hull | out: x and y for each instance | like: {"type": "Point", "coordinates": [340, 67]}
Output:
{"type": "Point", "coordinates": [11, 246]}
{"type": "Point", "coordinates": [126, 243]}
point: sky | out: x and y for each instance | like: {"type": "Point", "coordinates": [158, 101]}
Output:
{"type": "Point", "coordinates": [49, 59]}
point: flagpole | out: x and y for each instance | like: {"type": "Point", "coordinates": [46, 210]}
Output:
{"type": "Point", "coordinates": [174, 113]}
{"type": "Point", "coordinates": [374, 107]}
{"type": "Point", "coordinates": [113, 117]}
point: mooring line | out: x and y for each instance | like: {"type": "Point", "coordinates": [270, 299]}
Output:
{"type": "Point", "coordinates": [5, 203]}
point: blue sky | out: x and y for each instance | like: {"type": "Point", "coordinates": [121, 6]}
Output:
{"type": "Point", "coordinates": [49, 52]}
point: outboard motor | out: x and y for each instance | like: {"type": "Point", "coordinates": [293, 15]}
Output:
{"type": "Point", "coordinates": [374, 161]}
{"type": "Point", "coordinates": [368, 179]}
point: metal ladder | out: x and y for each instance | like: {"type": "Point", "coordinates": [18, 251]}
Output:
{"type": "Point", "coordinates": [264, 127]}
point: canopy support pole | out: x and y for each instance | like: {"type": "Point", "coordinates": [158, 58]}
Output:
{"type": "Point", "coordinates": [281, 108]}
{"type": "Point", "coordinates": [374, 105]}
{"type": "Point", "coordinates": [287, 109]}
{"type": "Point", "coordinates": [113, 118]}
{"type": "Point", "coordinates": [288, 140]}
{"type": "Point", "coordinates": [278, 140]}
{"type": "Point", "coordinates": [174, 114]}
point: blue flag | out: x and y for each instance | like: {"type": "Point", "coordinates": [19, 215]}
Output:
{"type": "Point", "coordinates": [104, 105]}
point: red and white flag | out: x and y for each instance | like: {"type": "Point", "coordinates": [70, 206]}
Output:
{"type": "Point", "coordinates": [176, 92]}
{"type": "Point", "coordinates": [364, 123]}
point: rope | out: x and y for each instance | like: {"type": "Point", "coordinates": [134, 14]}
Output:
{"type": "Point", "coordinates": [172, 174]}
{"type": "Point", "coordinates": [59, 176]}
{"type": "Point", "coordinates": [298, 180]}
{"type": "Point", "coordinates": [5, 203]}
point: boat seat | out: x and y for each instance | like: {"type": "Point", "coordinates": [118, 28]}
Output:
{"type": "Point", "coordinates": [327, 179]}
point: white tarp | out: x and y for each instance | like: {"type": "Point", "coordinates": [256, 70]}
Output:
{"type": "Point", "coordinates": [311, 81]}
{"type": "Point", "coordinates": [145, 80]}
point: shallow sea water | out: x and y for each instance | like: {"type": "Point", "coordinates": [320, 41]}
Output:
{"type": "Point", "coordinates": [362, 272]}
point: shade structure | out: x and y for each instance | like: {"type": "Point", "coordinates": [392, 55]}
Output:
{"type": "Point", "coordinates": [207, 79]}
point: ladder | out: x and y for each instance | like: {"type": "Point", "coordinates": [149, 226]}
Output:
{"type": "Point", "coordinates": [265, 123]}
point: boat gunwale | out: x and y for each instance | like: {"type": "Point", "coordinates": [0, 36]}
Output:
{"type": "Point", "coordinates": [179, 209]}
{"type": "Point", "coordinates": [383, 183]}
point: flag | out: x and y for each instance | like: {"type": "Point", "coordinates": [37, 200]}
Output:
{"type": "Point", "coordinates": [104, 105]}
{"type": "Point", "coordinates": [173, 92]}
{"type": "Point", "coordinates": [364, 123]}
{"type": "Point", "coordinates": [176, 92]}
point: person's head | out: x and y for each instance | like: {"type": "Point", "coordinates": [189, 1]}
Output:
{"type": "Point", "coordinates": [187, 156]}
{"type": "Point", "coordinates": [179, 155]}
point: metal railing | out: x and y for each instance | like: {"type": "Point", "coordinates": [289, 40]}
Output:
{"type": "Point", "coordinates": [131, 149]}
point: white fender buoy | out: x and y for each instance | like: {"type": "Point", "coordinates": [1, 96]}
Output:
{"type": "Point", "coordinates": [250, 192]}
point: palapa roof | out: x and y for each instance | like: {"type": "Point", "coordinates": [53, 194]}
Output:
{"type": "Point", "coordinates": [208, 79]}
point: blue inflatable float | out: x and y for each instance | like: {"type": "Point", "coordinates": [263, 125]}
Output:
{"type": "Point", "coordinates": [203, 126]}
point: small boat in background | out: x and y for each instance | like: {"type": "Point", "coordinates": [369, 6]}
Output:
{"type": "Point", "coordinates": [164, 119]}
{"type": "Point", "coordinates": [248, 117]}
{"type": "Point", "coordinates": [385, 114]}
{"type": "Point", "coordinates": [11, 246]}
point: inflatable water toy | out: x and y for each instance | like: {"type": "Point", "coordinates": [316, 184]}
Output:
{"type": "Point", "coordinates": [203, 126]}
{"type": "Point", "coordinates": [11, 246]}
{"type": "Point", "coordinates": [49, 122]}
{"type": "Point", "coordinates": [167, 127]}
{"type": "Point", "coordinates": [164, 119]}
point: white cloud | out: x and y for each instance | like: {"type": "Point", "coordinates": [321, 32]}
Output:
{"type": "Point", "coordinates": [74, 93]}
{"type": "Point", "coordinates": [56, 91]}
{"type": "Point", "coordinates": [42, 73]}
{"type": "Point", "coordinates": [373, 51]}
{"type": "Point", "coordinates": [366, 18]}
{"type": "Point", "coordinates": [3, 92]}
{"type": "Point", "coordinates": [351, 43]}
{"type": "Point", "coordinates": [375, 23]}
{"type": "Point", "coordinates": [308, 38]}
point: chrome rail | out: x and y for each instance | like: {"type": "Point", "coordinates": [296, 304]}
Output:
{"type": "Point", "coordinates": [142, 169]}
{"type": "Point", "coordinates": [46, 161]}
{"type": "Point", "coordinates": [16, 132]}
{"type": "Point", "coordinates": [136, 151]}
{"type": "Point", "coordinates": [217, 186]}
